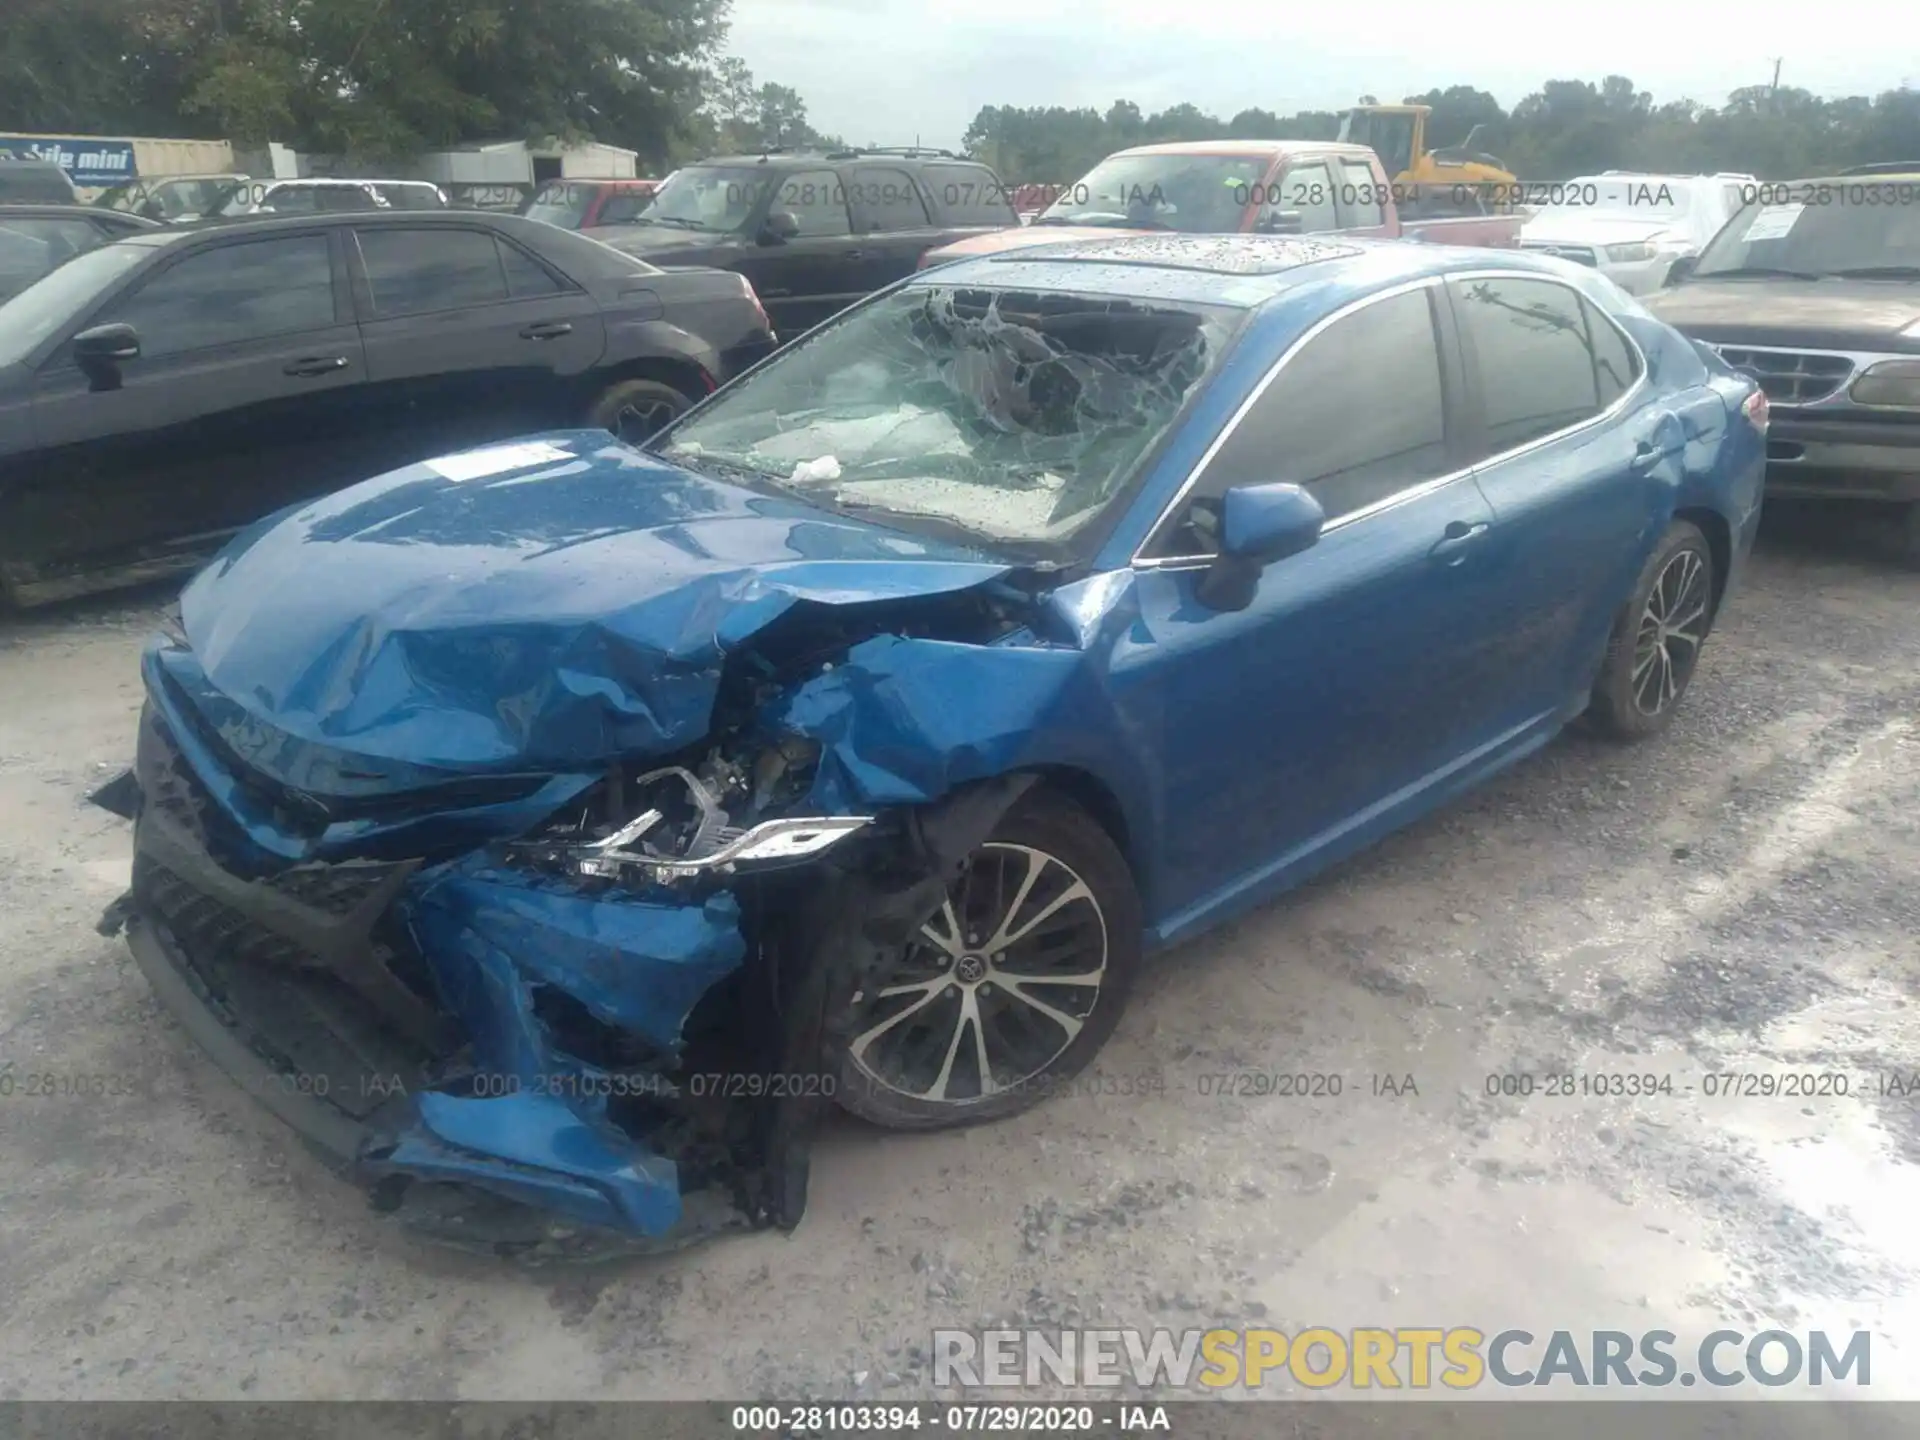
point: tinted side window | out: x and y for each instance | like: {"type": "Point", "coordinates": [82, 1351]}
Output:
{"type": "Point", "coordinates": [969, 195]}
{"type": "Point", "coordinates": [1356, 416]}
{"type": "Point", "coordinates": [1538, 370]}
{"type": "Point", "coordinates": [887, 200]}
{"type": "Point", "coordinates": [1308, 189]}
{"type": "Point", "coordinates": [292, 200]}
{"type": "Point", "coordinates": [818, 201]}
{"type": "Point", "coordinates": [413, 272]}
{"type": "Point", "coordinates": [1360, 195]}
{"type": "Point", "coordinates": [525, 275]}
{"type": "Point", "coordinates": [1615, 363]}
{"type": "Point", "coordinates": [233, 293]}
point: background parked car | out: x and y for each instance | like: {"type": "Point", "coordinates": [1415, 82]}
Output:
{"type": "Point", "coordinates": [35, 182]}
{"type": "Point", "coordinates": [816, 230]}
{"type": "Point", "coordinates": [37, 239]}
{"type": "Point", "coordinates": [584, 204]}
{"type": "Point", "coordinates": [311, 197]}
{"type": "Point", "coordinates": [165, 390]}
{"type": "Point", "coordinates": [173, 199]}
{"type": "Point", "coordinates": [1632, 227]}
{"type": "Point", "coordinates": [1814, 289]}
{"type": "Point", "coordinates": [1220, 187]}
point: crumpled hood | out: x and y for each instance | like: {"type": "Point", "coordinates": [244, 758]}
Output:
{"type": "Point", "coordinates": [1833, 314]}
{"type": "Point", "coordinates": [538, 607]}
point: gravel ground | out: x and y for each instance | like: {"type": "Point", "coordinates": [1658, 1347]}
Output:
{"type": "Point", "coordinates": [1736, 896]}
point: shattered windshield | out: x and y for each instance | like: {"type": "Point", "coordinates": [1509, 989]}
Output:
{"type": "Point", "coordinates": [1194, 194]}
{"type": "Point", "coordinates": [1012, 416]}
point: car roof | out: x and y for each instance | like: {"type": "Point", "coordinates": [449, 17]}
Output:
{"type": "Point", "coordinates": [1239, 271]}
{"type": "Point", "coordinates": [1253, 148]}
{"type": "Point", "coordinates": [360, 219]}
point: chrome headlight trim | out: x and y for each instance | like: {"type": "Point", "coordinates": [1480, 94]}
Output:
{"type": "Point", "coordinates": [794, 838]}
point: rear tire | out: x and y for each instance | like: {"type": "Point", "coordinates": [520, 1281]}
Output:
{"type": "Point", "coordinates": [1047, 895]}
{"type": "Point", "coordinates": [1656, 640]}
{"type": "Point", "coordinates": [636, 410]}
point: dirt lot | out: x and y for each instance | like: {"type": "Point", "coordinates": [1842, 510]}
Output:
{"type": "Point", "coordinates": [1737, 896]}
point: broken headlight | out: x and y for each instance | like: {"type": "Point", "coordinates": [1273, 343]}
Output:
{"type": "Point", "coordinates": [676, 821]}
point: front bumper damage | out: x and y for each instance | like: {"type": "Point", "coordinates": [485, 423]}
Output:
{"type": "Point", "coordinates": [511, 1058]}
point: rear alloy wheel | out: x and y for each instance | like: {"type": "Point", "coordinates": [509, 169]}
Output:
{"type": "Point", "coordinates": [1012, 986]}
{"type": "Point", "coordinates": [1656, 640]}
{"type": "Point", "coordinates": [637, 410]}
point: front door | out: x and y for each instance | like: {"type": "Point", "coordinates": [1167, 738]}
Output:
{"type": "Point", "coordinates": [241, 401]}
{"type": "Point", "coordinates": [816, 272]}
{"type": "Point", "coordinates": [1360, 670]}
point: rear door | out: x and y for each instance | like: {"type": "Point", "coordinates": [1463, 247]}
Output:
{"type": "Point", "coordinates": [819, 270]}
{"type": "Point", "coordinates": [966, 200]}
{"type": "Point", "coordinates": [1361, 197]}
{"type": "Point", "coordinates": [242, 400]}
{"type": "Point", "coordinates": [468, 337]}
{"type": "Point", "coordinates": [892, 223]}
{"type": "Point", "coordinates": [1577, 459]}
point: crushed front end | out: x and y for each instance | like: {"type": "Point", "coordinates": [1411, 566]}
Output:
{"type": "Point", "coordinates": [555, 1013]}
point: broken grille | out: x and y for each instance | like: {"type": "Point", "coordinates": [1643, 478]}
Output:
{"type": "Point", "coordinates": [1791, 377]}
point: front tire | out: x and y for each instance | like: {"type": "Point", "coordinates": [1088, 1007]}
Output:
{"type": "Point", "coordinates": [1012, 986]}
{"type": "Point", "coordinates": [636, 410]}
{"type": "Point", "coordinates": [1655, 645]}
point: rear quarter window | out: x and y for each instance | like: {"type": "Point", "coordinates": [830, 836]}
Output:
{"type": "Point", "coordinates": [969, 195]}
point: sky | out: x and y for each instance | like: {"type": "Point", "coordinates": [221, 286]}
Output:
{"type": "Point", "coordinates": [890, 72]}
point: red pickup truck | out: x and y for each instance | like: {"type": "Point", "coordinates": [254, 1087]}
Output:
{"type": "Point", "coordinates": [1212, 187]}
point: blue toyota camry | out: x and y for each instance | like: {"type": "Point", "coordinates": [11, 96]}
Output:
{"type": "Point", "coordinates": [553, 832]}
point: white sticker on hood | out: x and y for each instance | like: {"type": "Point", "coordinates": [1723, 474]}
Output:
{"type": "Point", "coordinates": [497, 460]}
{"type": "Point", "coordinates": [1773, 222]}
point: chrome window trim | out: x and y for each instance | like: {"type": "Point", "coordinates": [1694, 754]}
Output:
{"type": "Point", "coordinates": [1412, 492]}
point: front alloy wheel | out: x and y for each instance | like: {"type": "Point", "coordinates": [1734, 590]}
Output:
{"type": "Point", "coordinates": [1009, 988]}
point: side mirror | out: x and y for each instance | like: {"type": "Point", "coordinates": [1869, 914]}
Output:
{"type": "Point", "coordinates": [1258, 525]}
{"type": "Point", "coordinates": [781, 226]}
{"type": "Point", "coordinates": [1280, 222]}
{"type": "Point", "coordinates": [106, 345]}
{"type": "Point", "coordinates": [1681, 269]}
{"type": "Point", "coordinates": [101, 351]}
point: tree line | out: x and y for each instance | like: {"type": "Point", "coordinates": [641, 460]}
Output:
{"type": "Point", "coordinates": [377, 79]}
{"type": "Point", "coordinates": [390, 78]}
{"type": "Point", "coordinates": [1564, 129]}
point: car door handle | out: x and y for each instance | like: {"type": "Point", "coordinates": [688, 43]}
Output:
{"type": "Point", "coordinates": [1454, 542]}
{"type": "Point", "coordinates": [853, 254]}
{"type": "Point", "coordinates": [547, 330]}
{"type": "Point", "coordinates": [311, 365]}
